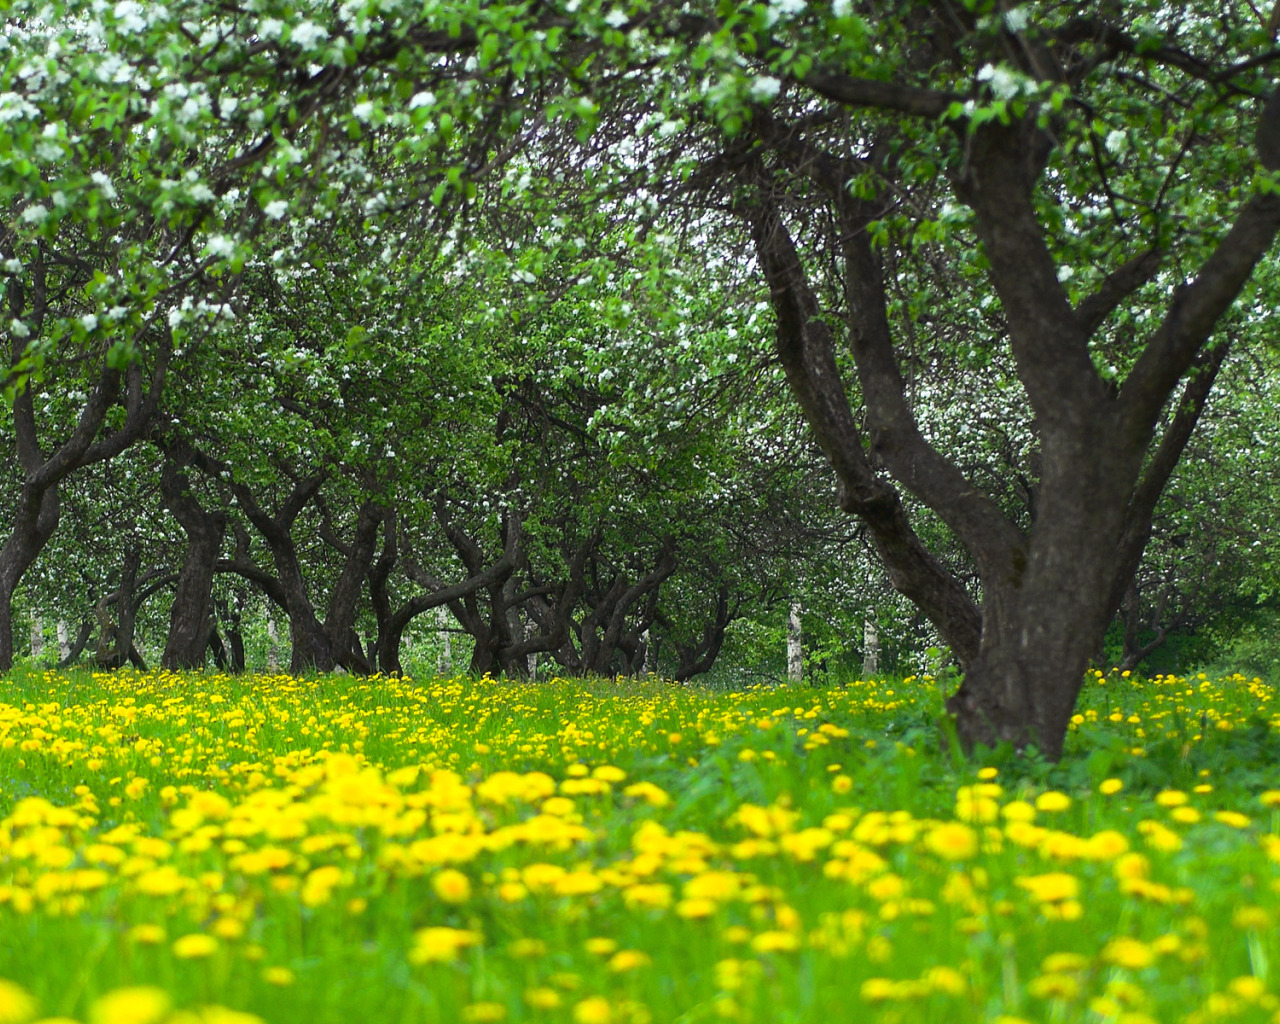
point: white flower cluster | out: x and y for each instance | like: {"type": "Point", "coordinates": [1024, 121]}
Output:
{"type": "Point", "coordinates": [1005, 82]}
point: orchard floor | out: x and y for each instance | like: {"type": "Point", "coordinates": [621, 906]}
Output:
{"type": "Point", "coordinates": [200, 848]}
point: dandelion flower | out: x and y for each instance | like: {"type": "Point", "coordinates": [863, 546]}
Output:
{"type": "Point", "coordinates": [140, 1005]}
{"type": "Point", "coordinates": [452, 886]}
{"type": "Point", "coordinates": [595, 1010]}
{"type": "Point", "coordinates": [195, 946]}
{"type": "Point", "coordinates": [1052, 802]}
{"type": "Point", "coordinates": [16, 1005]}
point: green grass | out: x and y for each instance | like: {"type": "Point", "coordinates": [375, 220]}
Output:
{"type": "Point", "coordinates": [790, 855]}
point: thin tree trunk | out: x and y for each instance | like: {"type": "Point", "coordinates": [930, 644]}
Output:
{"type": "Point", "coordinates": [444, 664]}
{"type": "Point", "coordinates": [870, 647]}
{"type": "Point", "coordinates": [77, 646]}
{"type": "Point", "coordinates": [64, 643]}
{"type": "Point", "coordinates": [795, 648]}
{"type": "Point", "coordinates": [273, 646]}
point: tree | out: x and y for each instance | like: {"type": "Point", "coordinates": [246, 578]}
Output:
{"type": "Point", "coordinates": [1080, 147]}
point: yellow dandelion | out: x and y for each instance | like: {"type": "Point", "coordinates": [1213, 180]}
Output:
{"type": "Point", "coordinates": [1247, 987]}
{"type": "Point", "coordinates": [1050, 887]}
{"type": "Point", "coordinates": [1054, 986]}
{"type": "Point", "coordinates": [434, 945]}
{"type": "Point", "coordinates": [1250, 918]}
{"type": "Point", "coordinates": [222, 1015]}
{"type": "Point", "coordinates": [946, 980]}
{"type": "Point", "coordinates": [542, 998]}
{"type": "Point", "coordinates": [1064, 963]}
{"type": "Point", "coordinates": [775, 942]}
{"type": "Point", "coordinates": [1126, 952]}
{"type": "Point", "coordinates": [195, 946]}
{"type": "Point", "coordinates": [1052, 802]}
{"type": "Point", "coordinates": [628, 960]}
{"type": "Point", "coordinates": [451, 886]}
{"type": "Point", "coordinates": [16, 1004]}
{"type": "Point", "coordinates": [696, 908]}
{"type": "Point", "coordinates": [1109, 787]}
{"type": "Point", "coordinates": [147, 934]}
{"type": "Point", "coordinates": [139, 1005]}
{"type": "Point", "coordinates": [484, 1013]}
{"type": "Point", "coordinates": [952, 841]}
{"type": "Point", "coordinates": [594, 1010]}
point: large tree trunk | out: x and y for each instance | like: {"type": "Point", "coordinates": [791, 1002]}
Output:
{"type": "Point", "coordinates": [340, 617]}
{"type": "Point", "coordinates": [1040, 629]}
{"type": "Point", "coordinates": [191, 616]}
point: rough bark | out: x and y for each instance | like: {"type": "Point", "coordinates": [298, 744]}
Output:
{"type": "Point", "coordinates": [344, 598]}
{"type": "Point", "coordinates": [191, 615]}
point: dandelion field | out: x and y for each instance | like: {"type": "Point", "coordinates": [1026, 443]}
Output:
{"type": "Point", "coordinates": [224, 850]}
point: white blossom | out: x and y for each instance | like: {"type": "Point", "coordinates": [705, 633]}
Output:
{"type": "Point", "coordinates": [307, 34]}
{"type": "Point", "coordinates": [89, 322]}
{"type": "Point", "coordinates": [19, 330]}
{"type": "Point", "coordinates": [1005, 84]}
{"type": "Point", "coordinates": [615, 18]}
{"type": "Point", "coordinates": [13, 106]}
{"type": "Point", "coordinates": [784, 9]}
{"type": "Point", "coordinates": [129, 14]}
{"type": "Point", "coordinates": [765, 88]}
{"type": "Point", "coordinates": [422, 99]}
{"type": "Point", "coordinates": [107, 189]}
{"type": "Point", "coordinates": [35, 214]}
{"type": "Point", "coordinates": [276, 209]}
{"type": "Point", "coordinates": [1117, 142]}
{"type": "Point", "coordinates": [220, 245]}
{"type": "Point", "coordinates": [1017, 19]}
{"type": "Point", "coordinates": [1066, 273]}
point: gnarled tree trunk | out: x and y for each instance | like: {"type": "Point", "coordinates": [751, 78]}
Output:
{"type": "Point", "coordinates": [191, 615]}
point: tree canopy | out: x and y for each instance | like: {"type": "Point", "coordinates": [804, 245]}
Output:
{"type": "Point", "coordinates": [544, 313]}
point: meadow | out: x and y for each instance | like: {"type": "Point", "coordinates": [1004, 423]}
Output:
{"type": "Point", "coordinates": [205, 849]}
